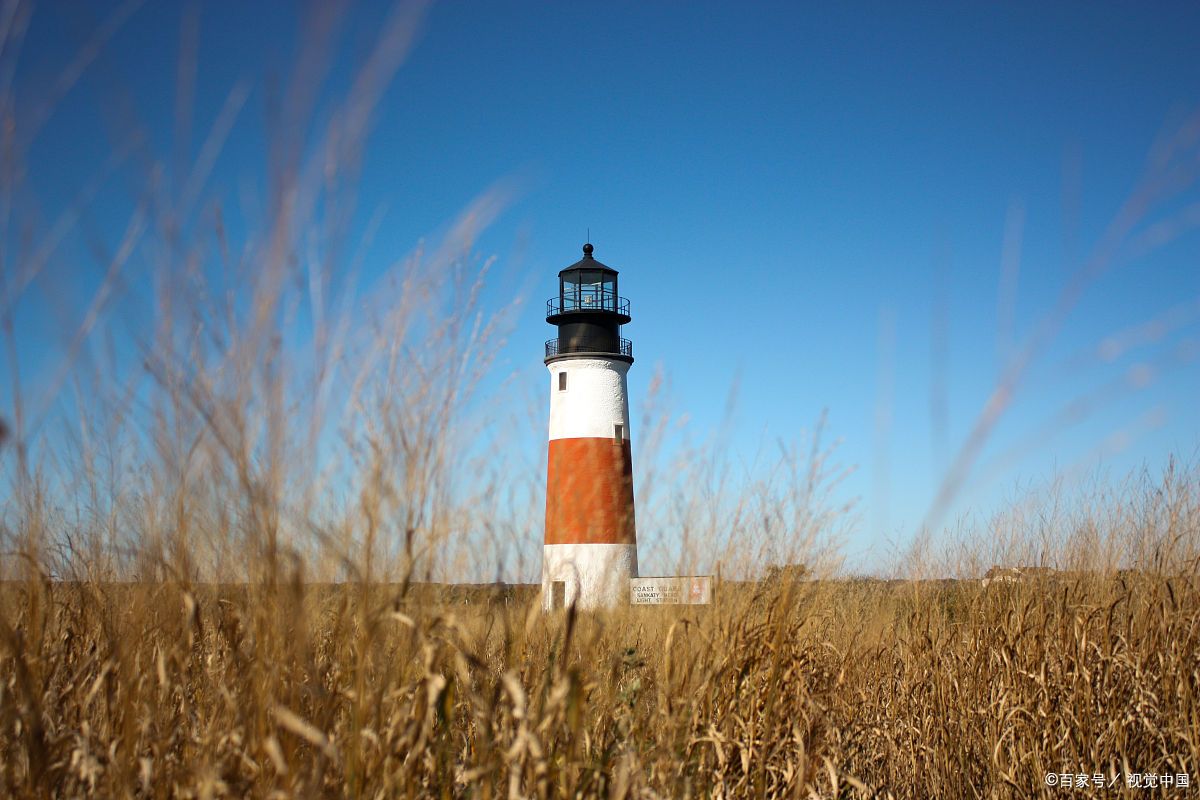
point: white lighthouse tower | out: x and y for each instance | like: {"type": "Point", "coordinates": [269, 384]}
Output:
{"type": "Point", "coordinates": [591, 543]}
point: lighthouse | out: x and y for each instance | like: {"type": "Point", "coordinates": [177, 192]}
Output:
{"type": "Point", "coordinates": [591, 546]}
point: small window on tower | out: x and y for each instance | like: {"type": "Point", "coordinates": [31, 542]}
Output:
{"type": "Point", "coordinates": [562, 381]}
{"type": "Point", "coordinates": [618, 433]}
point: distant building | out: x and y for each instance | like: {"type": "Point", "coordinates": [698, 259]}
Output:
{"type": "Point", "coordinates": [1015, 574]}
{"type": "Point", "coordinates": [789, 573]}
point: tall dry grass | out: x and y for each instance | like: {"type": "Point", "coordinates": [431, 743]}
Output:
{"type": "Point", "coordinates": [222, 537]}
{"type": "Point", "coordinates": [813, 688]}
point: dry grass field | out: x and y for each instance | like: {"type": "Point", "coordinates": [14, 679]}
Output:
{"type": "Point", "coordinates": [813, 689]}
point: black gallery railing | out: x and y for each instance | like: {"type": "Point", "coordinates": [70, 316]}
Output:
{"type": "Point", "coordinates": [557, 347]}
{"type": "Point", "coordinates": [587, 300]}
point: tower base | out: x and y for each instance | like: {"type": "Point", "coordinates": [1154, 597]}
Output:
{"type": "Point", "coordinates": [589, 576]}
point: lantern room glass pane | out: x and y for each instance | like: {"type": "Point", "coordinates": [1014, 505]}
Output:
{"type": "Point", "coordinates": [570, 291]}
{"type": "Point", "coordinates": [588, 290]}
{"type": "Point", "coordinates": [595, 290]}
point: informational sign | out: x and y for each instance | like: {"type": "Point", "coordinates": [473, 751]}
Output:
{"type": "Point", "coordinates": [687, 590]}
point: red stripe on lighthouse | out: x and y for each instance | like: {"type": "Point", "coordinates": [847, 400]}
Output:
{"type": "Point", "coordinates": [589, 492]}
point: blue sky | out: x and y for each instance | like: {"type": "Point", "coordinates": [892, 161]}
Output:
{"type": "Point", "coordinates": [797, 196]}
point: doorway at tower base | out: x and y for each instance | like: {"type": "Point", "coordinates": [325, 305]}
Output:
{"type": "Point", "coordinates": [590, 576]}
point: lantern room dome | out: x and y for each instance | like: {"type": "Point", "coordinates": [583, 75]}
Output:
{"type": "Point", "coordinates": [587, 262]}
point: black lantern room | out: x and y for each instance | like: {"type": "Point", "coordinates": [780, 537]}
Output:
{"type": "Point", "coordinates": [589, 313]}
